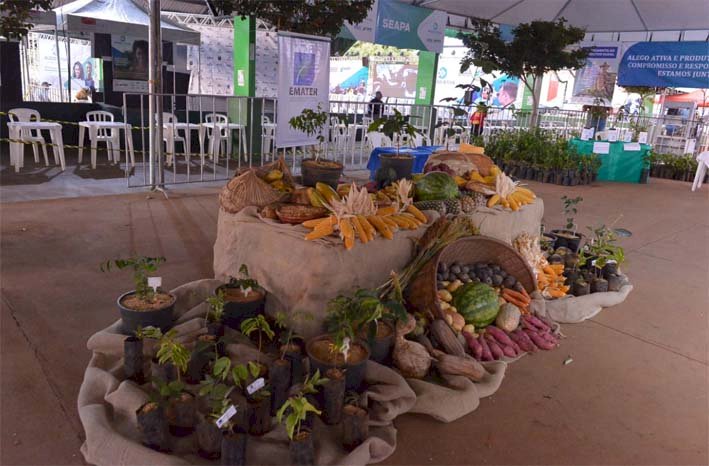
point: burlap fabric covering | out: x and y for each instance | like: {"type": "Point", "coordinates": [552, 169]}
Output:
{"type": "Point", "coordinates": [107, 403]}
{"type": "Point", "coordinates": [305, 275]}
{"type": "Point", "coordinates": [575, 309]}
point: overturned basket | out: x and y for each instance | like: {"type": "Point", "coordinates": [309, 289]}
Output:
{"type": "Point", "coordinates": [422, 292]}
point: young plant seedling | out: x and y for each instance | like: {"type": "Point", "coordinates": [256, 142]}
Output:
{"type": "Point", "coordinates": [216, 307]}
{"type": "Point", "coordinates": [257, 324]}
{"type": "Point", "coordinates": [395, 124]}
{"type": "Point", "coordinates": [286, 325]}
{"type": "Point", "coordinates": [311, 122]}
{"type": "Point", "coordinates": [142, 266]}
{"type": "Point", "coordinates": [215, 389]}
{"type": "Point", "coordinates": [570, 210]}
{"type": "Point", "coordinates": [297, 409]}
{"type": "Point", "coordinates": [245, 283]}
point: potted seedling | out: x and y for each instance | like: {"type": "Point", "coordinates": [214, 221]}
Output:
{"type": "Point", "coordinates": [243, 298]}
{"type": "Point", "coordinates": [133, 361]}
{"type": "Point", "coordinates": [377, 320]}
{"type": "Point", "coordinates": [221, 414]}
{"type": "Point", "coordinates": [568, 237]}
{"type": "Point", "coordinates": [205, 350]}
{"type": "Point", "coordinates": [152, 426]}
{"type": "Point", "coordinates": [292, 345]}
{"type": "Point", "coordinates": [401, 164]}
{"type": "Point", "coordinates": [316, 169]}
{"type": "Point", "coordinates": [261, 327]}
{"type": "Point", "coordinates": [293, 413]}
{"type": "Point", "coordinates": [605, 258]}
{"type": "Point", "coordinates": [355, 422]}
{"type": "Point", "coordinates": [145, 306]}
{"type": "Point", "coordinates": [339, 348]}
{"type": "Point", "coordinates": [251, 379]}
{"type": "Point", "coordinates": [215, 314]}
{"type": "Point", "coordinates": [333, 396]}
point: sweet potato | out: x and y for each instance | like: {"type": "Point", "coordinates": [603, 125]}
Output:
{"type": "Point", "coordinates": [509, 351]}
{"type": "Point", "coordinates": [487, 354]}
{"type": "Point", "coordinates": [499, 335]}
{"type": "Point", "coordinates": [523, 340]}
{"type": "Point", "coordinates": [537, 322]}
{"type": "Point", "coordinates": [539, 341]}
{"type": "Point", "coordinates": [494, 347]}
{"type": "Point", "coordinates": [474, 345]}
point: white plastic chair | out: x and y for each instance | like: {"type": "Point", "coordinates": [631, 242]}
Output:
{"type": "Point", "coordinates": [268, 137]}
{"type": "Point", "coordinates": [171, 135]}
{"type": "Point", "coordinates": [218, 135]}
{"type": "Point", "coordinates": [111, 136]}
{"type": "Point", "coordinates": [702, 165]}
{"type": "Point", "coordinates": [25, 115]}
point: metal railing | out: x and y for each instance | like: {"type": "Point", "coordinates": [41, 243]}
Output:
{"type": "Point", "coordinates": [220, 135]}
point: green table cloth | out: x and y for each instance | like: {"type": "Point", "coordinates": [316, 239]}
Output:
{"type": "Point", "coordinates": [618, 164]}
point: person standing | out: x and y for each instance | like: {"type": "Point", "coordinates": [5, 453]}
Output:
{"type": "Point", "coordinates": [477, 119]}
{"type": "Point", "coordinates": [375, 109]}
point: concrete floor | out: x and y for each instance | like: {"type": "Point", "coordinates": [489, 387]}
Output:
{"type": "Point", "coordinates": [636, 392]}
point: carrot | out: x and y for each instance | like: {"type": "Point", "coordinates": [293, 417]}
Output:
{"type": "Point", "coordinates": [514, 301]}
{"type": "Point", "coordinates": [517, 295]}
{"type": "Point", "coordinates": [526, 295]}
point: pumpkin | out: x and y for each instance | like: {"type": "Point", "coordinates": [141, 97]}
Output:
{"type": "Point", "coordinates": [477, 303]}
{"type": "Point", "coordinates": [435, 186]}
{"type": "Point", "coordinates": [508, 317]}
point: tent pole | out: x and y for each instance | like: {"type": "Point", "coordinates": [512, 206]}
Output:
{"type": "Point", "coordinates": [59, 63]}
{"type": "Point", "coordinates": [155, 97]}
{"type": "Point", "coordinates": [69, 67]}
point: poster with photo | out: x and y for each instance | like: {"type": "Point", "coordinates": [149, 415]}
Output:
{"type": "Point", "coordinates": [397, 80]}
{"type": "Point", "coordinates": [348, 76]}
{"type": "Point", "coordinates": [595, 82]}
{"type": "Point", "coordinates": [130, 63]}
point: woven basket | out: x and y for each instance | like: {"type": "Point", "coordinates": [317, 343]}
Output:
{"type": "Point", "coordinates": [248, 189]}
{"type": "Point", "coordinates": [298, 213]}
{"type": "Point", "coordinates": [422, 291]}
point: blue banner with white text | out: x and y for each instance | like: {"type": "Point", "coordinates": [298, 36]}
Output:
{"type": "Point", "coordinates": [665, 64]}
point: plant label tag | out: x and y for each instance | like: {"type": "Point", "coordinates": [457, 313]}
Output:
{"type": "Point", "coordinates": [155, 283]}
{"type": "Point", "coordinates": [631, 146]}
{"type": "Point", "coordinates": [612, 135]}
{"type": "Point", "coordinates": [586, 134]}
{"type": "Point", "coordinates": [642, 137]}
{"type": "Point", "coordinates": [255, 386]}
{"type": "Point", "coordinates": [601, 147]}
{"type": "Point", "coordinates": [627, 136]}
{"type": "Point", "coordinates": [228, 414]}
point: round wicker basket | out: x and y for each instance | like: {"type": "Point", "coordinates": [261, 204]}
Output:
{"type": "Point", "coordinates": [422, 292]}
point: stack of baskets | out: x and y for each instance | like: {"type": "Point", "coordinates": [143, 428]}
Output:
{"type": "Point", "coordinates": [249, 189]}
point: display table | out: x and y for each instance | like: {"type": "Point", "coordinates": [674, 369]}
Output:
{"type": "Point", "coordinates": [420, 155]}
{"type": "Point", "coordinates": [619, 164]}
{"type": "Point", "coordinates": [305, 275]}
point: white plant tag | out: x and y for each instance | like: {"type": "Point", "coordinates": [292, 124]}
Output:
{"type": "Point", "coordinates": [228, 414]}
{"type": "Point", "coordinates": [627, 136]}
{"type": "Point", "coordinates": [155, 283]}
{"type": "Point", "coordinates": [642, 137]}
{"type": "Point", "coordinates": [601, 147]}
{"type": "Point", "coordinates": [612, 135]}
{"type": "Point", "coordinates": [246, 291]}
{"type": "Point", "coordinates": [255, 386]}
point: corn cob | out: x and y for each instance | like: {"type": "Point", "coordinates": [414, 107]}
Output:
{"type": "Point", "coordinates": [381, 227]}
{"type": "Point", "coordinates": [360, 230]}
{"type": "Point", "coordinates": [323, 229]}
{"type": "Point", "coordinates": [347, 233]}
{"type": "Point", "coordinates": [368, 228]}
{"type": "Point", "coordinates": [416, 213]}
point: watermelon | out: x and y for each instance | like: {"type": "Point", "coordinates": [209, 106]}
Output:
{"type": "Point", "coordinates": [477, 303]}
{"type": "Point", "coordinates": [435, 186]}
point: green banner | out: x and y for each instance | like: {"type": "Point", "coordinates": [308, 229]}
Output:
{"type": "Point", "coordinates": [426, 79]}
{"type": "Point", "coordinates": [244, 63]}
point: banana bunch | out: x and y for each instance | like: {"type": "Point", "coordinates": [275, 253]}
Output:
{"type": "Point", "coordinates": [355, 216]}
{"type": "Point", "coordinates": [322, 194]}
{"type": "Point", "coordinates": [275, 179]}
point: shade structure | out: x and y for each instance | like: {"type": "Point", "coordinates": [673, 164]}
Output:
{"type": "Point", "coordinates": [121, 17]}
{"type": "Point", "coordinates": [592, 15]}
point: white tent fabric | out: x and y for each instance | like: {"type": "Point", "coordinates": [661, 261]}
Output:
{"type": "Point", "coordinates": [123, 17]}
{"type": "Point", "coordinates": [592, 15]}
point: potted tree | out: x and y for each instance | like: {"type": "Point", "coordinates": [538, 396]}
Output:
{"type": "Point", "coordinates": [339, 348]}
{"type": "Point", "coordinates": [314, 169]}
{"type": "Point", "coordinates": [293, 414]}
{"type": "Point", "coordinates": [568, 237]}
{"type": "Point", "coordinates": [243, 298]}
{"type": "Point", "coordinates": [145, 306]}
{"type": "Point", "coordinates": [401, 164]}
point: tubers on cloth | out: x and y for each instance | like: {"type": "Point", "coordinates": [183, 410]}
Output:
{"type": "Point", "coordinates": [411, 358]}
{"type": "Point", "coordinates": [455, 365]}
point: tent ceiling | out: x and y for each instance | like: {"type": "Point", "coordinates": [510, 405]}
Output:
{"type": "Point", "coordinates": [117, 17]}
{"type": "Point", "coordinates": [593, 15]}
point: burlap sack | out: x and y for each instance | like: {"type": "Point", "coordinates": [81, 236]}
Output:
{"type": "Point", "coordinates": [575, 309]}
{"type": "Point", "coordinates": [107, 404]}
{"type": "Point", "coordinates": [305, 275]}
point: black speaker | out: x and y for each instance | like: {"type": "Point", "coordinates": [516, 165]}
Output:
{"type": "Point", "coordinates": [365, 62]}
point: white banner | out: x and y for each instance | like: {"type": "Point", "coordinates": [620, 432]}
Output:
{"type": "Point", "coordinates": [303, 82]}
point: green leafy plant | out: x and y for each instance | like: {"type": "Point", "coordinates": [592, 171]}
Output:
{"type": "Point", "coordinates": [148, 332]}
{"type": "Point", "coordinates": [602, 248]}
{"type": "Point", "coordinates": [311, 122]}
{"type": "Point", "coordinates": [15, 16]}
{"type": "Point", "coordinates": [215, 389]}
{"type": "Point", "coordinates": [285, 323]}
{"type": "Point", "coordinates": [170, 390]}
{"type": "Point", "coordinates": [171, 351]}
{"type": "Point", "coordinates": [295, 410]}
{"type": "Point", "coordinates": [244, 282]}
{"type": "Point", "coordinates": [536, 48]}
{"type": "Point", "coordinates": [394, 124]}
{"type": "Point", "coordinates": [340, 324]}
{"type": "Point", "coordinates": [257, 324]}
{"type": "Point", "coordinates": [570, 210]}
{"type": "Point", "coordinates": [142, 266]}
{"type": "Point", "coordinates": [216, 307]}
{"type": "Point", "coordinates": [312, 382]}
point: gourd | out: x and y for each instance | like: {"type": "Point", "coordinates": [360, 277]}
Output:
{"type": "Point", "coordinates": [477, 303]}
{"type": "Point", "coordinates": [411, 358]}
{"type": "Point", "coordinates": [508, 317]}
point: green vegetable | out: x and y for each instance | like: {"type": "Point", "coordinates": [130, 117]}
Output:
{"type": "Point", "coordinates": [435, 186]}
{"type": "Point", "coordinates": [477, 303]}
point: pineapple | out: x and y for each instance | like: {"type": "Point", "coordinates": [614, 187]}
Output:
{"type": "Point", "coordinates": [471, 200]}
{"type": "Point", "coordinates": [452, 206]}
{"type": "Point", "coordinates": [438, 206]}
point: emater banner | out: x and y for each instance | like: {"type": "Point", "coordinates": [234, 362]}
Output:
{"type": "Point", "coordinates": [665, 64]}
{"type": "Point", "coordinates": [303, 82]}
